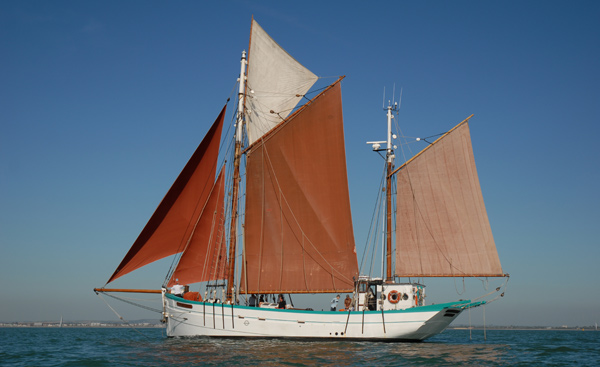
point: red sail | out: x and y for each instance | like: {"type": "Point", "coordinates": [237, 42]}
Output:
{"type": "Point", "coordinates": [204, 258]}
{"type": "Point", "coordinates": [170, 226]}
{"type": "Point", "coordinates": [298, 226]}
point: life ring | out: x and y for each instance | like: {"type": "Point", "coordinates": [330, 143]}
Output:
{"type": "Point", "coordinates": [393, 297]}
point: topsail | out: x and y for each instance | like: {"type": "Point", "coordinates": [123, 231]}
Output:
{"type": "Point", "coordinates": [276, 83]}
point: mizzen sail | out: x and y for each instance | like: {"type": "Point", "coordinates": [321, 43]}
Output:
{"type": "Point", "coordinates": [298, 226]}
{"type": "Point", "coordinates": [442, 226]}
{"type": "Point", "coordinates": [170, 226]}
{"type": "Point", "coordinates": [276, 83]}
{"type": "Point", "coordinates": [204, 257]}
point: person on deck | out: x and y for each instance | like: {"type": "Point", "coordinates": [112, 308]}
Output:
{"type": "Point", "coordinates": [334, 303]}
{"type": "Point", "coordinates": [178, 289]}
{"type": "Point", "coordinates": [371, 301]}
{"type": "Point", "coordinates": [281, 303]}
{"type": "Point", "coordinates": [252, 301]}
{"type": "Point", "coordinates": [347, 302]}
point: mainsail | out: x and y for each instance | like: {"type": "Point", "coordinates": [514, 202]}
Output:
{"type": "Point", "coordinates": [298, 226]}
{"type": "Point", "coordinates": [276, 83]}
{"type": "Point", "coordinates": [171, 225]}
{"type": "Point", "coordinates": [442, 226]}
{"type": "Point", "coordinates": [204, 257]}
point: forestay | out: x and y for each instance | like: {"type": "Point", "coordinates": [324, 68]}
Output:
{"type": "Point", "coordinates": [169, 229]}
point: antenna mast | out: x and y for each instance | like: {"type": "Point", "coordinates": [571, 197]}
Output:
{"type": "Point", "coordinates": [388, 190]}
{"type": "Point", "coordinates": [389, 161]}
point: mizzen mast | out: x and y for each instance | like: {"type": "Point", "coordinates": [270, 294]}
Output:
{"type": "Point", "coordinates": [389, 158]}
{"type": "Point", "coordinates": [236, 180]}
{"type": "Point", "coordinates": [388, 192]}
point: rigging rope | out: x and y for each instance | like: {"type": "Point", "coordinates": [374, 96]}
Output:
{"type": "Point", "coordinates": [432, 136]}
{"type": "Point", "coordinates": [456, 289]}
{"type": "Point", "coordinates": [496, 290]}
{"type": "Point", "coordinates": [185, 242]}
{"type": "Point", "coordinates": [417, 208]}
{"type": "Point", "coordinates": [372, 234]}
{"type": "Point", "coordinates": [121, 317]}
{"type": "Point", "coordinates": [470, 329]}
{"type": "Point", "coordinates": [131, 303]}
{"type": "Point", "coordinates": [484, 333]}
{"type": "Point", "coordinates": [283, 200]}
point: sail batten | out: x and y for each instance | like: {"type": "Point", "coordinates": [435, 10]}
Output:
{"type": "Point", "coordinates": [169, 227]}
{"type": "Point", "coordinates": [442, 225]}
{"type": "Point", "coordinates": [298, 227]}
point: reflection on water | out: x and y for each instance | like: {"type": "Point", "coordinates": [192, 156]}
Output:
{"type": "Point", "coordinates": [275, 352]}
{"type": "Point", "coordinates": [99, 347]}
{"type": "Point", "coordinates": [453, 354]}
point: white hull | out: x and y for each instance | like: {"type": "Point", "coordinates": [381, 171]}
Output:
{"type": "Point", "coordinates": [189, 318]}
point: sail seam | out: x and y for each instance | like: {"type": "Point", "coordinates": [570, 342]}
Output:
{"type": "Point", "coordinates": [427, 227]}
{"type": "Point", "coordinates": [262, 224]}
{"type": "Point", "coordinates": [450, 228]}
{"type": "Point", "coordinates": [210, 267]}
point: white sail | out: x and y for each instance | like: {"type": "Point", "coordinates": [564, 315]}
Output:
{"type": "Point", "coordinates": [276, 83]}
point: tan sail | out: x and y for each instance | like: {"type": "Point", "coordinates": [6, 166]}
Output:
{"type": "Point", "coordinates": [168, 229]}
{"type": "Point", "coordinates": [276, 83]}
{"type": "Point", "coordinates": [204, 257]}
{"type": "Point", "coordinates": [442, 226]}
{"type": "Point", "coordinates": [298, 226]}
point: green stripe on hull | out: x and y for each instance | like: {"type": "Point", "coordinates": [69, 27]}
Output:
{"type": "Point", "coordinates": [429, 308]}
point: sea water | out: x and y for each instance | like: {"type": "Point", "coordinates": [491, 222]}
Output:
{"type": "Point", "coordinates": [150, 347]}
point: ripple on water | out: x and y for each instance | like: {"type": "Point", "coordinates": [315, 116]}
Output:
{"type": "Point", "coordinates": [149, 347]}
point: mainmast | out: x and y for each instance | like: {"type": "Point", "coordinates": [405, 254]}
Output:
{"type": "Point", "coordinates": [236, 180]}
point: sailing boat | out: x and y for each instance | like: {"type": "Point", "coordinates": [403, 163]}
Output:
{"type": "Point", "coordinates": [283, 225]}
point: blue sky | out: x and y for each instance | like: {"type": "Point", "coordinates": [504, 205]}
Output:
{"type": "Point", "coordinates": [102, 103]}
